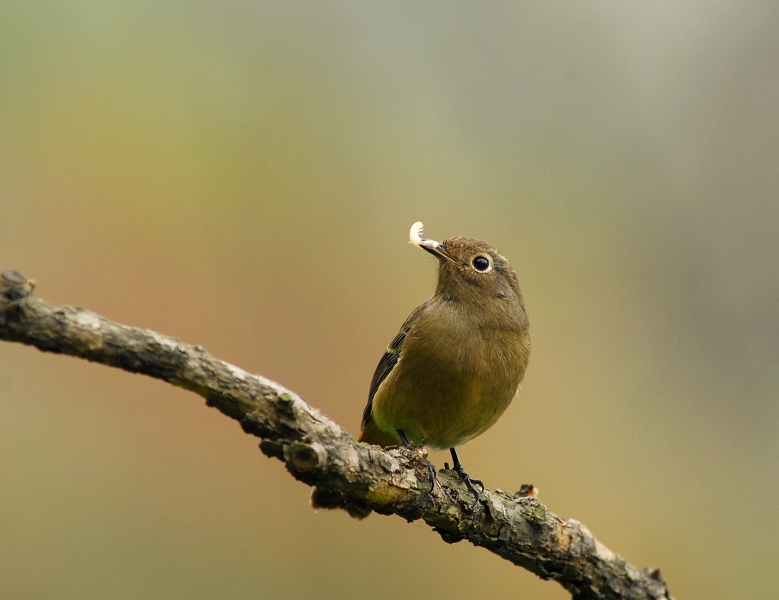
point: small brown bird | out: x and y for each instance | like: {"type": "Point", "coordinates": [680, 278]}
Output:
{"type": "Point", "coordinates": [458, 360]}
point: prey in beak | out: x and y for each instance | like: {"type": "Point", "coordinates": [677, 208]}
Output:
{"type": "Point", "coordinates": [437, 249]}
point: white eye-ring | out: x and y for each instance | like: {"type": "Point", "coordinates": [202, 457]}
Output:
{"type": "Point", "coordinates": [482, 263]}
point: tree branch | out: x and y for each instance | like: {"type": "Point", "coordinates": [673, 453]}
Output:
{"type": "Point", "coordinates": [357, 477]}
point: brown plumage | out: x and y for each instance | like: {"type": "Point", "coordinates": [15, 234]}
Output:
{"type": "Point", "coordinates": [458, 360]}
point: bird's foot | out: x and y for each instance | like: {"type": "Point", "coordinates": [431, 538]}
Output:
{"type": "Point", "coordinates": [469, 483]}
{"type": "Point", "coordinates": [422, 452]}
{"type": "Point", "coordinates": [458, 468]}
{"type": "Point", "coordinates": [431, 470]}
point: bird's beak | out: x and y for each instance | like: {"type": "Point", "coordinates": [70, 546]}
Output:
{"type": "Point", "coordinates": [437, 249]}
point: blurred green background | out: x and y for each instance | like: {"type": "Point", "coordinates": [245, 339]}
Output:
{"type": "Point", "coordinates": [243, 175]}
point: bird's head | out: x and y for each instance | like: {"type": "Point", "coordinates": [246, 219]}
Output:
{"type": "Point", "coordinates": [472, 271]}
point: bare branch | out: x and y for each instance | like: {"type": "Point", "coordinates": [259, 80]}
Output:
{"type": "Point", "coordinates": [357, 477]}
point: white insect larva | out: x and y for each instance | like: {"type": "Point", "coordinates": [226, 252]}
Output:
{"type": "Point", "coordinates": [415, 237]}
{"type": "Point", "coordinates": [415, 233]}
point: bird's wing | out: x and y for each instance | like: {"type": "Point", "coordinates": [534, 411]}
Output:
{"type": "Point", "coordinates": [388, 361]}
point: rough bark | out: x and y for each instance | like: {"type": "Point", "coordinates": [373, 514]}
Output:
{"type": "Point", "coordinates": [344, 474]}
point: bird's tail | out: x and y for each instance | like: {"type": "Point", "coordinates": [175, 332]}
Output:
{"type": "Point", "coordinates": [371, 434]}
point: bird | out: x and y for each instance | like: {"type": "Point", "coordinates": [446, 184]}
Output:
{"type": "Point", "coordinates": [459, 358]}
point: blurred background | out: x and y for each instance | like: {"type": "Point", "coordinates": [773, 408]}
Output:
{"type": "Point", "coordinates": [243, 175]}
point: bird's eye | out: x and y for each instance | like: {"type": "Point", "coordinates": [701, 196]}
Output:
{"type": "Point", "coordinates": [481, 263]}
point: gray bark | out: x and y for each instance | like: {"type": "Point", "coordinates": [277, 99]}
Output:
{"type": "Point", "coordinates": [343, 473]}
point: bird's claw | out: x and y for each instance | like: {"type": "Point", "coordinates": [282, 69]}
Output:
{"type": "Point", "coordinates": [431, 470]}
{"type": "Point", "coordinates": [469, 483]}
{"type": "Point", "coordinates": [420, 450]}
{"type": "Point", "coordinates": [433, 474]}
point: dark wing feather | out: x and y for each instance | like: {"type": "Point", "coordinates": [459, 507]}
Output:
{"type": "Point", "coordinates": [388, 362]}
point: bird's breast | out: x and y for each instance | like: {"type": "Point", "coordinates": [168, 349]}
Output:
{"type": "Point", "coordinates": [453, 380]}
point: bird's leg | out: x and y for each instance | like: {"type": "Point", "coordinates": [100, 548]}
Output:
{"type": "Point", "coordinates": [403, 438]}
{"type": "Point", "coordinates": [432, 473]}
{"type": "Point", "coordinates": [458, 468]}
